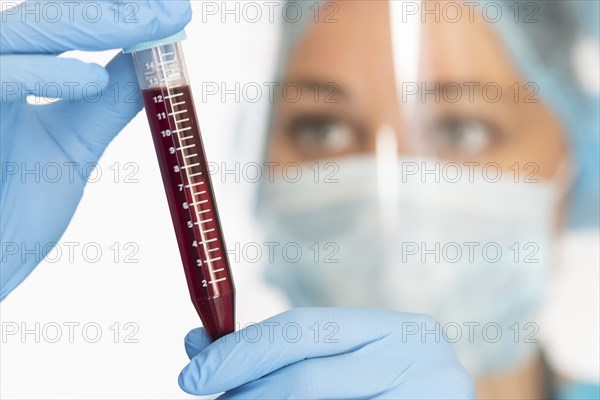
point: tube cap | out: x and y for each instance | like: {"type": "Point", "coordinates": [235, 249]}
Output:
{"type": "Point", "coordinates": [179, 36]}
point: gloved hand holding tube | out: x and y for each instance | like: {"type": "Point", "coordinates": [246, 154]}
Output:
{"type": "Point", "coordinates": [70, 135]}
{"type": "Point", "coordinates": [328, 353]}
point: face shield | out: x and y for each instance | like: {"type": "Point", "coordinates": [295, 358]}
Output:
{"type": "Point", "coordinates": [415, 168]}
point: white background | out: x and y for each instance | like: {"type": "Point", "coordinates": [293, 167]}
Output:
{"type": "Point", "coordinates": [152, 293]}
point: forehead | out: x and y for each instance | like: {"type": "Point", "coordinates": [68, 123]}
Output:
{"type": "Point", "coordinates": [356, 42]}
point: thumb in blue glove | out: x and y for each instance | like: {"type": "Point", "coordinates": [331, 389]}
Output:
{"type": "Point", "coordinates": [196, 341]}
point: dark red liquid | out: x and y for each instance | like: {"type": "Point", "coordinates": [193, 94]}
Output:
{"type": "Point", "coordinates": [192, 203]}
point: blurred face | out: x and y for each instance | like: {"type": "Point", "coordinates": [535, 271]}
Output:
{"type": "Point", "coordinates": [351, 62]}
{"type": "Point", "coordinates": [347, 71]}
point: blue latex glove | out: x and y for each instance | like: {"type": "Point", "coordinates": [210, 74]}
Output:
{"type": "Point", "coordinates": [61, 142]}
{"type": "Point", "coordinates": [327, 353]}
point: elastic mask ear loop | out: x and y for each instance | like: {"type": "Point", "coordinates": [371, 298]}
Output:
{"type": "Point", "coordinates": [564, 176]}
{"type": "Point", "coordinates": [563, 179]}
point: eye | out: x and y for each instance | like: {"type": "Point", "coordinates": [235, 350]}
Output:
{"type": "Point", "coordinates": [320, 136]}
{"type": "Point", "coordinates": [455, 136]}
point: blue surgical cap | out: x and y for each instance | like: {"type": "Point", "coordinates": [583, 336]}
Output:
{"type": "Point", "coordinates": [545, 52]}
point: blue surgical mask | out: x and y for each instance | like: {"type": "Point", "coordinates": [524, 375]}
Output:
{"type": "Point", "coordinates": [469, 252]}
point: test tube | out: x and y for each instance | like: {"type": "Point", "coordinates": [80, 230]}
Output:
{"type": "Point", "coordinates": [165, 87]}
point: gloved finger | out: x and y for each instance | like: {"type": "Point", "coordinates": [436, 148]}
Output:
{"type": "Point", "coordinates": [196, 341]}
{"type": "Point", "coordinates": [381, 370]}
{"type": "Point", "coordinates": [367, 372]}
{"type": "Point", "coordinates": [38, 26]}
{"type": "Point", "coordinates": [87, 126]}
{"type": "Point", "coordinates": [296, 335]}
{"type": "Point", "coordinates": [47, 76]}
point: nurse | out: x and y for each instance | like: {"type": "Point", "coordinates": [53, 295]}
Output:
{"type": "Point", "coordinates": [444, 200]}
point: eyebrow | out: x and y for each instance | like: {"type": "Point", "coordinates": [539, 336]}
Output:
{"type": "Point", "coordinates": [438, 88]}
{"type": "Point", "coordinates": [328, 91]}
